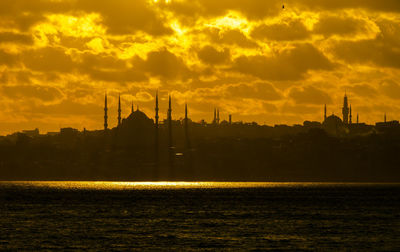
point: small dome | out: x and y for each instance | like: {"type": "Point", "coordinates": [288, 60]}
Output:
{"type": "Point", "coordinates": [137, 119]}
{"type": "Point", "coordinates": [332, 119]}
{"type": "Point", "coordinates": [334, 125]}
{"type": "Point", "coordinates": [138, 115]}
{"type": "Point", "coordinates": [136, 129]}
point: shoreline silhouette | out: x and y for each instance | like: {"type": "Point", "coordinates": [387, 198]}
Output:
{"type": "Point", "coordinates": [141, 149]}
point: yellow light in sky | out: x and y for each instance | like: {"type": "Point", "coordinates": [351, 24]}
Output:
{"type": "Point", "coordinates": [96, 44]}
{"type": "Point", "coordinates": [177, 28]}
{"type": "Point", "coordinates": [231, 21]}
{"type": "Point", "coordinates": [83, 26]}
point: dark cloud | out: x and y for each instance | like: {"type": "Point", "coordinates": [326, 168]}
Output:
{"type": "Point", "coordinates": [48, 59]}
{"type": "Point", "coordinates": [120, 16]}
{"type": "Point", "coordinates": [258, 9]}
{"type": "Point", "coordinates": [109, 68]}
{"type": "Point", "coordinates": [44, 93]}
{"type": "Point", "coordinates": [363, 90]}
{"type": "Point", "coordinates": [269, 107]}
{"type": "Point", "coordinates": [231, 37]}
{"type": "Point", "coordinates": [102, 61]}
{"type": "Point", "coordinates": [289, 65]}
{"type": "Point", "coordinates": [163, 64]}
{"type": "Point", "coordinates": [258, 90]}
{"type": "Point", "coordinates": [99, 67]}
{"type": "Point", "coordinates": [11, 37]}
{"type": "Point", "coordinates": [332, 25]}
{"type": "Point", "coordinates": [68, 107]}
{"type": "Point", "coordinates": [391, 89]}
{"type": "Point", "coordinates": [23, 14]}
{"type": "Point", "coordinates": [300, 109]}
{"type": "Point", "coordinates": [383, 51]}
{"type": "Point", "coordinates": [309, 95]}
{"type": "Point", "coordinates": [252, 9]}
{"type": "Point", "coordinates": [210, 55]}
{"type": "Point", "coordinates": [120, 76]}
{"type": "Point", "coordinates": [16, 76]}
{"type": "Point", "coordinates": [222, 80]}
{"type": "Point", "coordinates": [386, 6]}
{"type": "Point", "coordinates": [379, 51]}
{"type": "Point", "coordinates": [293, 30]}
{"type": "Point", "coordinates": [8, 59]}
{"type": "Point", "coordinates": [127, 17]}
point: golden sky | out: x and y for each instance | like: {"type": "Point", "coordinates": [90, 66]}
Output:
{"type": "Point", "coordinates": [250, 58]}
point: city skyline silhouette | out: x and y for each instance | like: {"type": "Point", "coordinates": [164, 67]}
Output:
{"type": "Point", "coordinates": [142, 149]}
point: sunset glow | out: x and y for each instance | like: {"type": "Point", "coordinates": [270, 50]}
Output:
{"type": "Point", "coordinates": [252, 59]}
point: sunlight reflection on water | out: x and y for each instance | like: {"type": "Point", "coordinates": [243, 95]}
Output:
{"type": "Point", "coordinates": [191, 216]}
{"type": "Point", "coordinates": [107, 185]}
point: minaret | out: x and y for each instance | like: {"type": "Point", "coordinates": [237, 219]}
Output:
{"type": "Point", "coordinates": [188, 158]}
{"type": "Point", "coordinates": [217, 116]}
{"type": "Point", "coordinates": [105, 113]}
{"type": "Point", "coordinates": [156, 154]}
{"type": "Point", "coordinates": [345, 110]}
{"type": "Point", "coordinates": [186, 125]}
{"type": "Point", "coordinates": [170, 150]}
{"type": "Point", "coordinates": [157, 111]}
{"type": "Point", "coordinates": [169, 117]}
{"type": "Point", "coordinates": [119, 109]}
{"type": "Point", "coordinates": [325, 113]}
{"type": "Point", "coordinates": [357, 118]}
{"type": "Point", "coordinates": [230, 119]}
{"type": "Point", "coordinates": [350, 117]}
{"type": "Point", "coordinates": [384, 118]}
{"type": "Point", "coordinates": [132, 108]}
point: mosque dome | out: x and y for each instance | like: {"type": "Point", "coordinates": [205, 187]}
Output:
{"type": "Point", "coordinates": [137, 128]}
{"type": "Point", "coordinates": [138, 116]}
{"type": "Point", "coordinates": [334, 125]}
{"type": "Point", "coordinates": [332, 120]}
{"type": "Point", "coordinates": [137, 119]}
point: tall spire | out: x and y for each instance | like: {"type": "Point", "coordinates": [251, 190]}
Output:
{"type": "Point", "coordinates": [217, 116]}
{"type": "Point", "coordinates": [350, 117]}
{"type": "Point", "coordinates": [156, 154]}
{"type": "Point", "coordinates": [186, 112]}
{"type": "Point", "coordinates": [170, 149]}
{"type": "Point", "coordinates": [119, 109]}
{"type": "Point", "coordinates": [384, 119]}
{"type": "Point", "coordinates": [345, 110]}
{"type": "Point", "coordinates": [325, 113]}
{"type": "Point", "coordinates": [157, 110]}
{"type": "Point", "coordinates": [132, 108]}
{"type": "Point", "coordinates": [169, 118]}
{"type": "Point", "coordinates": [105, 112]}
{"type": "Point", "coordinates": [186, 124]}
{"type": "Point", "coordinates": [188, 158]}
{"type": "Point", "coordinates": [357, 119]}
{"type": "Point", "coordinates": [230, 119]}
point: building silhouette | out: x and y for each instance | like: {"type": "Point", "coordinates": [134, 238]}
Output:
{"type": "Point", "coordinates": [144, 149]}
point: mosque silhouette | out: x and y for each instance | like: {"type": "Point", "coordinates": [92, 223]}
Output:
{"type": "Point", "coordinates": [138, 122]}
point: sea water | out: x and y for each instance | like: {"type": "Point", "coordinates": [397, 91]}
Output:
{"type": "Point", "coordinates": [199, 216]}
